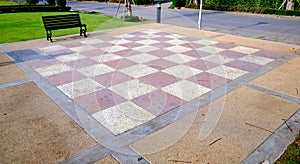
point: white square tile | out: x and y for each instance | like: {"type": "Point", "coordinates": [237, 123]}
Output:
{"type": "Point", "coordinates": [182, 71]}
{"type": "Point", "coordinates": [121, 41]}
{"type": "Point", "coordinates": [80, 88]}
{"type": "Point", "coordinates": [179, 58]}
{"type": "Point", "coordinates": [147, 41]}
{"type": "Point", "coordinates": [256, 59]}
{"type": "Point", "coordinates": [205, 42]}
{"type": "Point", "coordinates": [138, 70]}
{"type": "Point", "coordinates": [91, 41]}
{"type": "Point", "coordinates": [176, 42]}
{"type": "Point", "coordinates": [142, 58]}
{"type": "Point", "coordinates": [123, 117]}
{"type": "Point", "coordinates": [94, 70]}
{"type": "Point", "coordinates": [71, 57]}
{"type": "Point", "coordinates": [145, 48]}
{"type": "Point", "coordinates": [245, 50]}
{"type": "Point", "coordinates": [114, 49]}
{"type": "Point", "coordinates": [106, 57]}
{"type": "Point", "coordinates": [211, 49]}
{"type": "Point", "coordinates": [132, 89]}
{"type": "Point", "coordinates": [175, 36]}
{"type": "Point", "coordinates": [186, 90]}
{"type": "Point", "coordinates": [52, 48]}
{"type": "Point", "coordinates": [53, 69]}
{"type": "Point", "coordinates": [151, 31]}
{"type": "Point", "coordinates": [150, 36]}
{"type": "Point", "coordinates": [178, 49]}
{"type": "Point", "coordinates": [124, 36]}
{"type": "Point", "coordinates": [218, 59]}
{"type": "Point", "coordinates": [227, 72]}
{"type": "Point", "coordinates": [83, 48]}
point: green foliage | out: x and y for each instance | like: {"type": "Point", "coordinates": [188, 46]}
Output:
{"type": "Point", "coordinates": [178, 3]}
{"type": "Point", "coordinates": [51, 2]}
{"type": "Point", "coordinates": [292, 153]}
{"type": "Point", "coordinates": [128, 18]}
{"type": "Point", "coordinates": [32, 2]}
{"type": "Point", "coordinates": [61, 3]}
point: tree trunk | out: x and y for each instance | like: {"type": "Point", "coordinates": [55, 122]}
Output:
{"type": "Point", "coordinates": [290, 5]}
{"type": "Point", "coordinates": [128, 6]}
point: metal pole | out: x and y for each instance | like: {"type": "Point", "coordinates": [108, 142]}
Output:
{"type": "Point", "coordinates": [200, 16]}
{"type": "Point", "coordinates": [158, 13]}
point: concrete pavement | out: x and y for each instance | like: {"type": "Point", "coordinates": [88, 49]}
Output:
{"type": "Point", "coordinates": [151, 93]}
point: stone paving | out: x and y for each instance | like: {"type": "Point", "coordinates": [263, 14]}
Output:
{"type": "Point", "coordinates": [123, 85]}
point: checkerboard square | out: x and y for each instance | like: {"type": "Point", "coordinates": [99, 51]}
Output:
{"type": "Point", "coordinates": [95, 70]}
{"type": "Point", "coordinates": [205, 42]}
{"type": "Point", "coordinates": [194, 53]}
{"type": "Point", "coordinates": [145, 48]}
{"type": "Point", "coordinates": [179, 58]}
{"type": "Point", "coordinates": [246, 66]}
{"type": "Point", "coordinates": [160, 64]}
{"type": "Point", "coordinates": [159, 79]}
{"type": "Point", "coordinates": [245, 50]}
{"type": "Point", "coordinates": [256, 59]}
{"type": "Point", "coordinates": [218, 59]}
{"type": "Point", "coordinates": [70, 57]}
{"type": "Point", "coordinates": [72, 44]}
{"type": "Point", "coordinates": [147, 41]}
{"type": "Point", "coordinates": [186, 90]}
{"type": "Point", "coordinates": [92, 53]}
{"type": "Point", "coordinates": [225, 45]}
{"type": "Point", "coordinates": [161, 45]}
{"type": "Point", "coordinates": [208, 80]}
{"type": "Point", "coordinates": [99, 100]}
{"type": "Point", "coordinates": [158, 102]}
{"type": "Point", "coordinates": [127, 52]}
{"type": "Point", "coordinates": [120, 63]}
{"type": "Point", "coordinates": [178, 49]}
{"type": "Point", "coordinates": [232, 54]}
{"type": "Point", "coordinates": [106, 57]}
{"type": "Point", "coordinates": [131, 45]}
{"type": "Point", "coordinates": [121, 41]}
{"type": "Point", "coordinates": [53, 69]}
{"type": "Point", "coordinates": [65, 77]}
{"type": "Point", "coordinates": [102, 45]}
{"type": "Point", "coordinates": [82, 48]}
{"type": "Point", "coordinates": [182, 71]}
{"type": "Point", "coordinates": [142, 58]}
{"type": "Point", "coordinates": [52, 48]}
{"type": "Point", "coordinates": [176, 42]}
{"type": "Point", "coordinates": [139, 70]}
{"type": "Point", "coordinates": [114, 48]}
{"type": "Point", "coordinates": [37, 63]}
{"type": "Point", "coordinates": [211, 49]}
{"type": "Point", "coordinates": [91, 41]}
{"type": "Point", "coordinates": [80, 88]}
{"type": "Point", "coordinates": [132, 89]}
{"type": "Point", "coordinates": [268, 54]}
{"type": "Point", "coordinates": [227, 72]}
{"type": "Point", "coordinates": [161, 53]}
{"type": "Point", "coordinates": [123, 117]}
{"type": "Point", "coordinates": [81, 63]}
{"type": "Point", "coordinates": [112, 78]}
{"type": "Point", "coordinates": [201, 64]}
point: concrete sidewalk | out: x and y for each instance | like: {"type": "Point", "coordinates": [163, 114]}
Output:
{"type": "Point", "coordinates": [148, 94]}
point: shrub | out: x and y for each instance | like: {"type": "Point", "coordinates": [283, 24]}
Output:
{"type": "Point", "coordinates": [51, 2]}
{"type": "Point", "coordinates": [128, 18]}
{"type": "Point", "coordinates": [61, 3]}
{"type": "Point", "coordinates": [32, 2]}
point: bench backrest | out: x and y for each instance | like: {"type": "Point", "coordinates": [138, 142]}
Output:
{"type": "Point", "coordinates": [61, 21]}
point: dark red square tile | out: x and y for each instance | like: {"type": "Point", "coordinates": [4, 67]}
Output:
{"type": "Point", "coordinates": [201, 64]}
{"type": "Point", "coordinates": [232, 54]}
{"type": "Point", "coordinates": [65, 77]}
{"type": "Point", "coordinates": [243, 65]}
{"type": "Point", "coordinates": [102, 45]}
{"type": "Point", "coordinates": [161, 53]}
{"type": "Point", "coordinates": [120, 63]}
{"type": "Point", "coordinates": [195, 53]}
{"type": "Point", "coordinates": [267, 54]}
{"type": "Point", "coordinates": [159, 79]}
{"type": "Point", "coordinates": [162, 45]}
{"type": "Point", "coordinates": [92, 53]}
{"type": "Point", "coordinates": [225, 45]}
{"type": "Point", "coordinates": [131, 45]}
{"type": "Point", "coordinates": [99, 100]}
{"type": "Point", "coordinates": [112, 78]}
{"type": "Point", "coordinates": [208, 80]}
{"type": "Point", "coordinates": [127, 52]}
{"type": "Point", "coordinates": [72, 44]}
{"type": "Point", "coordinates": [160, 64]}
{"type": "Point", "coordinates": [158, 102]}
{"type": "Point", "coordinates": [42, 63]}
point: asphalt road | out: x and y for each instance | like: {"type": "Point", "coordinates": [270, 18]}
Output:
{"type": "Point", "coordinates": [268, 27]}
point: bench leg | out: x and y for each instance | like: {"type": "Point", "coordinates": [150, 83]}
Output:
{"type": "Point", "coordinates": [83, 31]}
{"type": "Point", "coordinates": [49, 35]}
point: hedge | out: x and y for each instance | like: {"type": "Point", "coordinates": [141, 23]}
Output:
{"type": "Point", "coordinates": [31, 8]}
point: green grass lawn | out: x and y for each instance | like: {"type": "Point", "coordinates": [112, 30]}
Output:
{"type": "Point", "coordinates": [9, 3]}
{"type": "Point", "coordinates": [28, 25]}
{"type": "Point", "coordinates": [292, 153]}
